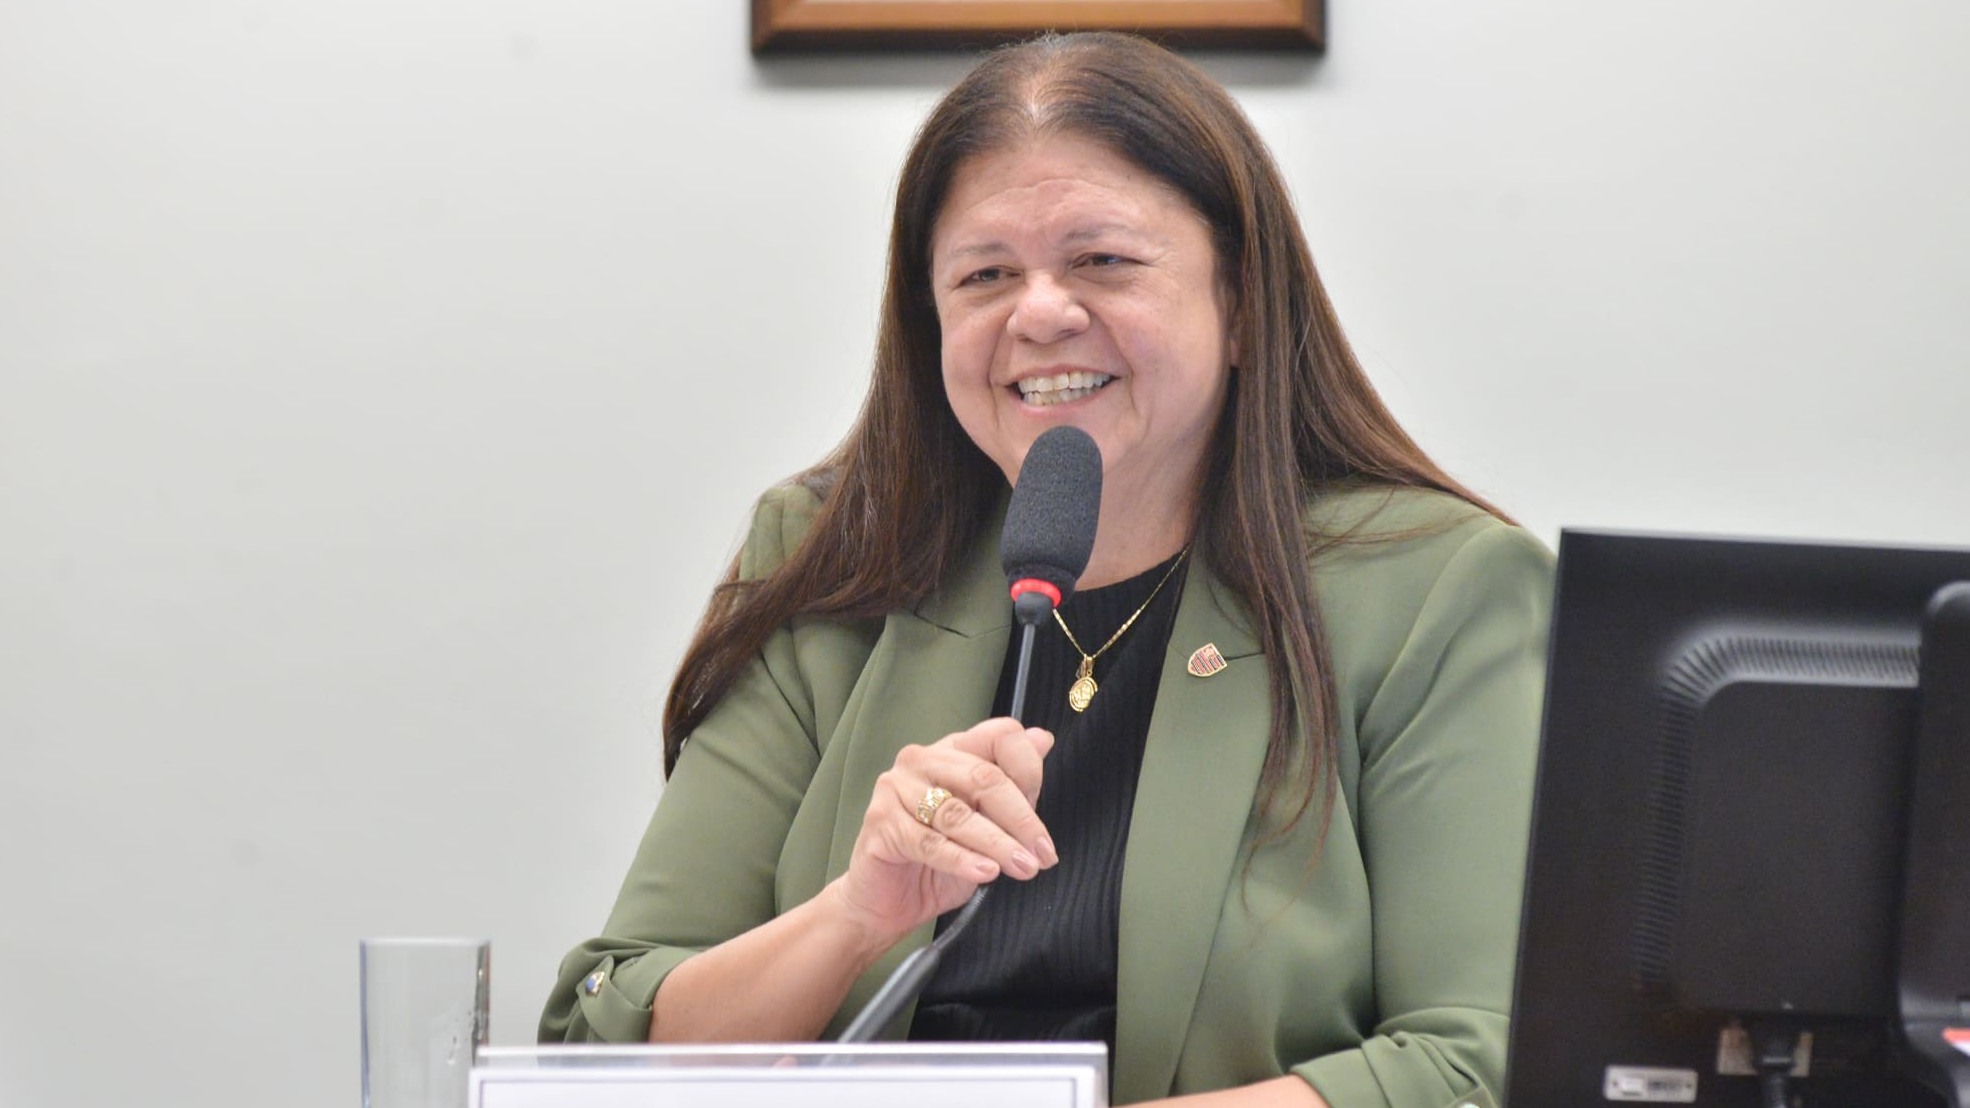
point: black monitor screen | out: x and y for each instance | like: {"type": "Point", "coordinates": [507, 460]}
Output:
{"type": "Point", "coordinates": [1720, 848]}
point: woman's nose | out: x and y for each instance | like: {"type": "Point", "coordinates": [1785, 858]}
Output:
{"type": "Point", "coordinates": [1046, 312]}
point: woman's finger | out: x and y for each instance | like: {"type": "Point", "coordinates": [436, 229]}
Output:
{"type": "Point", "coordinates": [1022, 754]}
{"type": "Point", "coordinates": [974, 803]}
{"type": "Point", "coordinates": [892, 835]}
{"type": "Point", "coordinates": [947, 796]}
{"type": "Point", "coordinates": [967, 826]}
{"type": "Point", "coordinates": [998, 795]}
{"type": "Point", "coordinates": [1020, 751]}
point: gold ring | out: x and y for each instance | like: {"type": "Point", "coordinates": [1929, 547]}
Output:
{"type": "Point", "coordinates": [933, 798]}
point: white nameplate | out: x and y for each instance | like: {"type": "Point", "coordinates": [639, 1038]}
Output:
{"type": "Point", "coordinates": [887, 1075]}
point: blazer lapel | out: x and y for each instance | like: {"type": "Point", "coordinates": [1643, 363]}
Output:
{"type": "Point", "coordinates": [1200, 773]}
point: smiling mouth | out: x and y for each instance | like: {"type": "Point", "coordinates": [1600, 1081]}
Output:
{"type": "Point", "coordinates": [1062, 388]}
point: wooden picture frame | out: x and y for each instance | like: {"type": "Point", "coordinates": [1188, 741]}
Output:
{"type": "Point", "coordinates": [787, 26]}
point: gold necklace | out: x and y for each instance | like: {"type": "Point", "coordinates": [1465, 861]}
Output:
{"type": "Point", "coordinates": [1081, 693]}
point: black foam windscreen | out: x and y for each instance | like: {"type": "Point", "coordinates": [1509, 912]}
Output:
{"type": "Point", "coordinates": [1056, 504]}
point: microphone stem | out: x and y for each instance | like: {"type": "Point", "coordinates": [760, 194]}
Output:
{"type": "Point", "coordinates": [1018, 709]}
{"type": "Point", "coordinates": [1018, 712]}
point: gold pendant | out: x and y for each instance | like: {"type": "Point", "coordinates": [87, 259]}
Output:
{"type": "Point", "coordinates": [1083, 689]}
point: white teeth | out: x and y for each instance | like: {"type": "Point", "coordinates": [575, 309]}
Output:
{"type": "Point", "coordinates": [1061, 388]}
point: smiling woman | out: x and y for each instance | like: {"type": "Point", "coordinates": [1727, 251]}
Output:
{"type": "Point", "coordinates": [1277, 859]}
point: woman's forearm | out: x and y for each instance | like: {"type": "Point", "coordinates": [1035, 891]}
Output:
{"type": "Point", "coordinates": [780, 982]}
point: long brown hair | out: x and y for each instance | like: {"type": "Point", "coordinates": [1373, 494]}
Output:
{"type": "Point", "coordinates": [906, 493]}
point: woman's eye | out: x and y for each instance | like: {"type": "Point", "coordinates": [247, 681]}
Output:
{"type": "Point", "coordinates": [984, 276]}
{"type": "Point", "coordinates": [1103, 261]}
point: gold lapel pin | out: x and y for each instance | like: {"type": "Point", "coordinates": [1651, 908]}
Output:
{"type": "Point", "coordinates": [1205, 660]}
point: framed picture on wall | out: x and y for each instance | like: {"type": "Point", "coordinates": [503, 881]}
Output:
{"type": "Point", "coordinates": [785, 26]}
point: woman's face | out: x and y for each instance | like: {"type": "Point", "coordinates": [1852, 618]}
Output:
{"type": "Point", "coordinates": [1073, 287]}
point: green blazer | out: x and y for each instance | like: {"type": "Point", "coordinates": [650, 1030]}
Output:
{"type": "Point", "coordinates": [1377, 963]}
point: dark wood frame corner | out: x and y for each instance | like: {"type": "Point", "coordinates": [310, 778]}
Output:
{"type": "Point", "coordinates": [790, 26]}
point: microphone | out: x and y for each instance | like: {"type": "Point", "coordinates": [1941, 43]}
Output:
{"type": "Point", "coordinates": [1044, 548]}
{"type": "Point", "coordinates": [1049, 534]}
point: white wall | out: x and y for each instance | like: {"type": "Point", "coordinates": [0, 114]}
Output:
{"type": "Point", "coordinates": [382, 385]}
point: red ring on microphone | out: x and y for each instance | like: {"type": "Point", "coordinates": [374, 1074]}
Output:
{"type": "Point", "coordinates": [1033, 584]}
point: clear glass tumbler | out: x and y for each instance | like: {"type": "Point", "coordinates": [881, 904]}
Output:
{"type": "Point", "coordinates": [424, 1017]}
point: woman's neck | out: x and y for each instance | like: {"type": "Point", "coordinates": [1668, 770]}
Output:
{"type": "Point", "coordinates": [1129, 544]}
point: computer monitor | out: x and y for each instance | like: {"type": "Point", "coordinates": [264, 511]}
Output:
{"type": "Point", "coordinates": [1749, 876]}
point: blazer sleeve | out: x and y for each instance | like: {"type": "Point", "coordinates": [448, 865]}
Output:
{"type": "Point", "coordinates": [705, 869]}
{"type": "Point", "coordinates": [1449, 744]}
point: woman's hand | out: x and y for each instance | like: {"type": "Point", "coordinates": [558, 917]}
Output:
{"type": "Point", "coordinates": [905, 871]}
{"type": "Point", "coordinates": [783, 980]}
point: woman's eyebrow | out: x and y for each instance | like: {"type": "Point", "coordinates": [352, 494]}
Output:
{"type": "Point", "coordinates": [975, 249]}
{"type": "Point", "coordinates": [1086, 234]}
{"type": "Point", "coordinates": [1075, 237]}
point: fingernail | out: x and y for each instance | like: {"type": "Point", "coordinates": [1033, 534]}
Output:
{"type": "Point", "coordinates": [985, 868]}
{"type": "Point", "coordinates": [1047, 852]}
{"type": "Point", "coordinates": [1024, 863]}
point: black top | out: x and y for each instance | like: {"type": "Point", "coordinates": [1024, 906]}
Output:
{"type": "Point", "coordinates": [1038, 962]}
